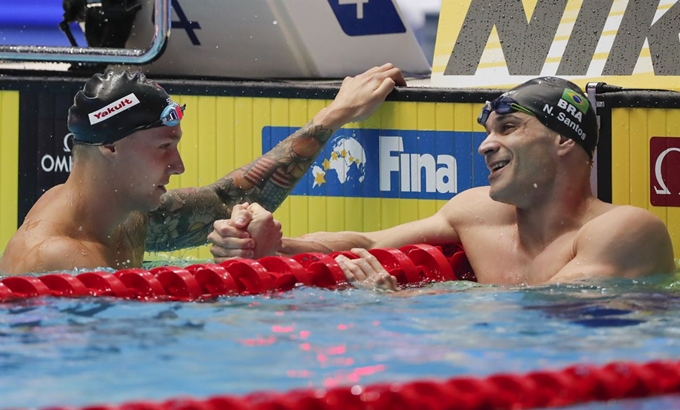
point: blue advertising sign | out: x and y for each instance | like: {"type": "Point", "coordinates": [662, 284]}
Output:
{"type": "Point", "coordinates": [35, 22]}
{"type": "Point", "coordinates": [375, 163]}
{"type": "Point", "coordinates": [367, 17]}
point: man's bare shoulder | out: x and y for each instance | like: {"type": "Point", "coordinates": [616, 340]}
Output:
{"type": "Point", "coordinates": [631, 238]}
{"type": "Point", "coordinates": [44, 246]}
{"type": "Point", "coordinates": [51, 202]}
{"type": "Point", "coordinates": [625, 219]}
{"type": "Point", "coordinates": [474, 205]}
{"type": "Point", "coordinates": [48, 254]}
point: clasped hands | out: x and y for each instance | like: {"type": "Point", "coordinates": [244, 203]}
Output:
{"type": "Point", "coordinates": [252, 232]}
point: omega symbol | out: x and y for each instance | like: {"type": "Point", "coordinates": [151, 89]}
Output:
{"type": "Point", "coordinates": [664, 172]}
{"type": "Point", "coordinates": [657, 172]}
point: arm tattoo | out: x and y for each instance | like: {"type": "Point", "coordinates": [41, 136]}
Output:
{"type": "Point", "coordinates": [275, 173]}
{"type": "Point", "coordinates": [186, 216]}
{"type": "Point", "coordinates": [184, 219]}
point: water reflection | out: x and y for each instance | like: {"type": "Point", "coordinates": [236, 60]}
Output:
{"type": "Point", "coordinates": [610, 303]}
{"type": "Point", "coordinates": [81, 351]}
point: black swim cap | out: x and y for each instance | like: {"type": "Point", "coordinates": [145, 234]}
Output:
{"type": "Point", "coordinates": [115, 104]}
{"type": "Point", "coordinates": [557, 103]}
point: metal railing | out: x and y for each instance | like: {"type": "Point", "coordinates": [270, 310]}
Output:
{"type": "Point", "coordinates": [161, 35]}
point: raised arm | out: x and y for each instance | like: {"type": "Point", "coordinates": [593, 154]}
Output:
{"type": "Point", "coordinates": [186, 216]}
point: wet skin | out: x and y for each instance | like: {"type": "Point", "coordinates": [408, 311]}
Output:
{"type": "Point", "coordinates": [114, 205]}
{"type": "Point", "coordinates": [537, 221]}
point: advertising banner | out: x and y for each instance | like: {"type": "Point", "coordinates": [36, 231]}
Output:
{"type": "Point", "coordinates": [498, 43]}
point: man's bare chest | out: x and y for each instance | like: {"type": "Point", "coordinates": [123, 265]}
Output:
{"type": "Point", "coordinates": [126, 248]}
{"type": "Point", "coordinates": [498, 256]}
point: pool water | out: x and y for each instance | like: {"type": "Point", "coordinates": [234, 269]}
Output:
{"type": "Point", "coordinates": [97, 350]}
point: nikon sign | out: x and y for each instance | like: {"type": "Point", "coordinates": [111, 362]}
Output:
{"type": "Point", "coordinates": [505, 42]}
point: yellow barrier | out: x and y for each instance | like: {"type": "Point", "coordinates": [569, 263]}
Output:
{"type": "Point", "coordinates": [9, 158]}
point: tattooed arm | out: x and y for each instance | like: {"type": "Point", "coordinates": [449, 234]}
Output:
{"type": "Point", "coordinates": [186, 216]}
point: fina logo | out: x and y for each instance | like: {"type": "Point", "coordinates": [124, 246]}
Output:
{"type": "Point", "coordinates": [376, 163]}
{"type": "Point", "coordinates": [415, 172]}
{"type": "Point", "coordinates": [441, 174]}
{"type": "Point", "coordinates": [346, 163]}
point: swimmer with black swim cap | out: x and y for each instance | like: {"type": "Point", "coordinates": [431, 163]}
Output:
{"type": "Point", "coordinates": [557, 103]}
{"type": "Point", "coordinates": [113, 105]}
{"type": "Point", "coordinates": [536, 222]}
{"type": "Point", "coordinates": [115, 204]}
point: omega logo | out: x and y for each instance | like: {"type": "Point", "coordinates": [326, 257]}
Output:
{"type": "Point", "coordinates": [664, 171]}
{"type": "Point", "coordinates": [67, 138]}
{"type": "Point", "coordinates": [59, 163]}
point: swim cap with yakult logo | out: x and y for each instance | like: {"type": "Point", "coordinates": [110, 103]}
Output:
{"type": "Point", "coordinates": [116, 104]}
{"type": "Point", "coordinates": [557, 103]}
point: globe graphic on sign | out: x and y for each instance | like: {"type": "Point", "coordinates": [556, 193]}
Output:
{"type": "Point", "coordinates": [346, 164]}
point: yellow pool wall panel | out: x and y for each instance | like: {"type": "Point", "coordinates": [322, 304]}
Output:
{"type": "Point", "coordinates": [223, 133]}
{"type": "Point", "coordinates": [632, 130]}
{"type": "Point", "coordinates": [9, 158]}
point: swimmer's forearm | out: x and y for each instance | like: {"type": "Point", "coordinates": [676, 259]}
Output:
{"type": "Point", "coordinates": [294, 246]}
{"type": "Point", "coordinates": [184, 219]}
{"type": "Point", "coordinates": [325, 242]}
{"type": "Point", "coordinates": [269, 179]}
{"type": "Point", "coordinates": [167, 241]}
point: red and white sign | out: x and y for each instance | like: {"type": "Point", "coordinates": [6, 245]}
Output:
{"type": "Point", "coordinates": [114, 108]}
{"type": "Point", "coordinates": [664, 162]}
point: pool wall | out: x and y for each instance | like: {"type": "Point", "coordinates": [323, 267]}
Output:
{"type": "Point", "coordinates": [403, 163]}
{"type": "Point", "coordinates": [643, 130]}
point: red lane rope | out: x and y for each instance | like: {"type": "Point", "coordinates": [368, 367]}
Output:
{"type": "Point", "coordinates": [569, 386]}
{"type": "Point", "coordinates": [412, 265]}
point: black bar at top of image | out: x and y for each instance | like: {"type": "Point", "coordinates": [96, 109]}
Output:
{"type": "Point", "coordinates": [313, 90]}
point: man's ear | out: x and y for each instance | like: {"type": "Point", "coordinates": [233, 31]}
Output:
{"type": "Point", "coordinates": [565, 145]}
{"type": "Point", "coordinates": [107, 150]}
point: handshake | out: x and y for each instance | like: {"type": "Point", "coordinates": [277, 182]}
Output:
{"type": "Point", "coordinates": [251, 232]}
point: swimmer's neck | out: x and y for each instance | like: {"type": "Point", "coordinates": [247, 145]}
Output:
{"type": "Point", "coordinates": [542, 222]}
{"type": "Point", "coordinates": [96, 201]}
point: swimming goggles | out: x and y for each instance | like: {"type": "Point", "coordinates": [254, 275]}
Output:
{"type": "Point", "coordinates": [501, 105]}
{"type": "Point", "coordinates": [171, 116]}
